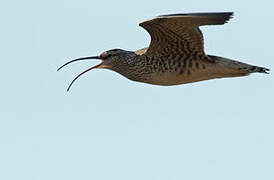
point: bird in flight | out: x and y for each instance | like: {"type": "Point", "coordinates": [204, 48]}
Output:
{"type": "Point", "coordinates": [175, 55]}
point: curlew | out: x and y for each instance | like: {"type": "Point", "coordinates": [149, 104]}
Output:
{"type": "Point", "coordinates": [175, 55]}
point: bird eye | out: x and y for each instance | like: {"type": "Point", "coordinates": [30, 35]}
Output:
{"type": "Point", "coordinates": [105, 55]}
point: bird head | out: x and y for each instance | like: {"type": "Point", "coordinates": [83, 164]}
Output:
{"type": "Point", "coordinates": [113, 59]}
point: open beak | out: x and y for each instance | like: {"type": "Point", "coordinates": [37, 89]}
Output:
{"type": "Point", "coordinates": [80, 59]}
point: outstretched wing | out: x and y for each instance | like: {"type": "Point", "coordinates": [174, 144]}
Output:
{"type": "Point", "coordinates": [180, 33]}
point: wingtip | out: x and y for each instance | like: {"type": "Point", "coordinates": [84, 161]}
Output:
{"type": "Point", "coordinates": [222, 17]}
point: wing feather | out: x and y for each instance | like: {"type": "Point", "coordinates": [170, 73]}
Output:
{"type": "Point", "coordinates": [180, 31]}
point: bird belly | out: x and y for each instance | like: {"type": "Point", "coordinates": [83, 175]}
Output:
{"type": "Point", "coordinates": [193, 75]}
{"type": "Point", "coordinates": [169, 79]}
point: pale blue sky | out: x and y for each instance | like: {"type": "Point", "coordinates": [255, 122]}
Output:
{"type": "Point", "coordinates": [110, 128]}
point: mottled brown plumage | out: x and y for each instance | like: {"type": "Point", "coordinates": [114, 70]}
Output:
{"type": "Point", "coordinates": [175, 54]}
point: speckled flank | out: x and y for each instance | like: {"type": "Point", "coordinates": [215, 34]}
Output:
{"type": "Point", "coordinates": [188, 72]}
{"type": "Point", "coordinates": [197, 65]}
{"type": "Point", "coordinates": [204, 67]}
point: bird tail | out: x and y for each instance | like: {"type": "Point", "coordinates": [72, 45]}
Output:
{"type": "Point", "coordinates": [239, 65]}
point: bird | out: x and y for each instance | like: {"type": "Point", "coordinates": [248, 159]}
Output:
{"type": "Point", "coordinates": [175, 54]}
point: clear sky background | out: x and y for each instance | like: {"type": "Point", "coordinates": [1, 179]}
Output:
{"type": "Point", "coordinates": [110, 128]}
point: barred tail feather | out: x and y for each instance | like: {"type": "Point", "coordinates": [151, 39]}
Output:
{"type": "Point", "coordinates": [258, 69]}
{"type": "Point", "coordinates": [239, 65]}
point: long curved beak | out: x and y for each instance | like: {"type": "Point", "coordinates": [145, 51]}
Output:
{"type": "Point", "coordinates": [80, 59]}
